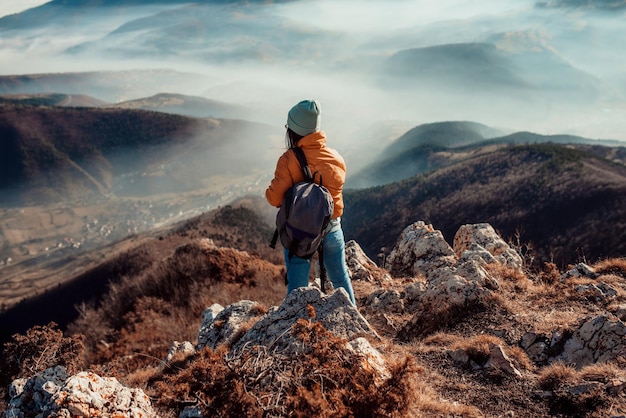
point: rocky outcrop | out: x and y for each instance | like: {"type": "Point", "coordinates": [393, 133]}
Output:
{"type": "Point", "coordinates": [482, 243]}
{"type": "Point", "coordinates": [455, 280]}
{"type": "Point", "coordinates": [53, 393]}
{"type": "Point", "coordinates": [597, 340]}
{"type": "Point", "coordinates": [361, 267]}
{"type": "Point", "coordinates": [220, 325]}
{"type": "Point", "coordinates": [334, 312]}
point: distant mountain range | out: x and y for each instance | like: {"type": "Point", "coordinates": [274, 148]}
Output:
{"type": "Point", "coordinates": [107, 86]}
{"type": "Point", "coordinates": [591, 4]}
{"type": "Point", "coordinates": [429, 147]}
{"type": "Point", "coordinates": [524, 68]}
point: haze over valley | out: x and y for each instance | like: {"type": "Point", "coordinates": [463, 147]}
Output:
{"type": "Point", "coordinates": [118, 117]}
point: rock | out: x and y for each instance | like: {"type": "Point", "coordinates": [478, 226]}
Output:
{"type": "Point", "coordinates": [482, 242]}
{"type": "Point", "coordinates": [362, 267]}
{"type": "Point", "coordinates": [419, 250]}
{"type": "Point", "coordinates": [186, 348]}
{"type": "Point", "coordinates": [84, 394]}
{"type": "Point", "coordinates": [598, 339]}
{"type": "Point", "coordinates": [385, 301]}
{"type": "Point", "coordinates": [33, 395]}
{"type": "Point", "coordinates": [371, 359]}
{"type": "Point", "coordinates": [219, 329]}
{"type": "Point", "coordinates": [498, 360]}
{"type": "Point", "coordinates": [334, 311]}
{"type": "Point", "coordinates": [579, 270]}
{"type": "Point", "coordinates": [599, 292]}
{"type": "Point", "coordinates": [87, 394]}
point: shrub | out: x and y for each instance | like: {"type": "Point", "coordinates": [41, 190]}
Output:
{"type": "Point", "coordinates": [40, 348]}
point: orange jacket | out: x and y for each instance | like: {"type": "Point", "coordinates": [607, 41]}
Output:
{"type": "Point", "coordinates": [322, 159]}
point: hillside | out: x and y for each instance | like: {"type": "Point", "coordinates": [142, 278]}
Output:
{"type": "Point", "coordinates": [458, 330]}
{"type": "Point", "coordinates": [428, 147]}
{"type": "Point", "coordinates": [83, 278]}
{"type": "Point", "coordinates": [52, 154]}
{"type": "Point", "coordinates": [108, 86]}
{"type": "Point", "coordinates": [186, 105]}
{"type": "Point", "coordinates": [52, 99]}
{"type": "Point", "coordinates": [565, 203]}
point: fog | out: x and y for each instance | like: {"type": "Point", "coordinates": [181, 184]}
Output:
{"type": "Point", "coordinates": [518, 66]}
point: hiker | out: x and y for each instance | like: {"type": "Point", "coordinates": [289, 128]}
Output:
{"type": "Point", "coordinates": [303, 131]}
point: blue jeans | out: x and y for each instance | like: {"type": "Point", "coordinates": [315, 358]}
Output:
{"type": "Point", "coordinates": [298, 269]}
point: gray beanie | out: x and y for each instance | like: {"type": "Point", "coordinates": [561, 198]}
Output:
{"type": "Point", "coordinates": [304, 118]}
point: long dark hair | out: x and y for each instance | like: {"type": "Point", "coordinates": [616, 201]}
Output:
{"type": "Point", "coordinates": [292, 138]}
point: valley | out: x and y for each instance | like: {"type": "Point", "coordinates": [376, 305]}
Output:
{"type": "Point", "coordinates": [43, 246]}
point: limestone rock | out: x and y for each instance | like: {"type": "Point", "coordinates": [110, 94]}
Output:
{"type": "Point", "coordinates": [498, 360]}
{"type": "Point", "coordinates": [220, 328]}
{"type": "Point", "coordinates": [419, 250]}
{"type": "Point", "coordinates": [482, 242]}
{"type": "Point", "coordinates": [598, 292]}
{"type": "Point", "coordinates": [385, 301]}
{"type": "Point", "coordinates": [361, 267]}
{"type": "Point", "coordinates": [32, 396]}
{"type": "Point", "coordinates": [185, 347]}
{"type": "Point", "coordinates": [334, 311]}
{"type": "Point", "coordinates": [579, 270]}
{"type": "Point", "coordinates": [598, 339]}
{"type": "Point", "coordinates": [371, 359]}
{"type": "Point", "coordinates": [84, 394]}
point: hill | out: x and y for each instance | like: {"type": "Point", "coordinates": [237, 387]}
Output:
{"type": "Point", "coordinates": [429, 147]}
{"type": "Point", "coordinates": [53, 154]}
{"type": "Point", "coordinates": [108, 86]}
{"type": "Point", "coordinates": [186, 105]}
{"type": "Point", "coordinates": [52, 99]}
{"type": "Point", "coordinates": [83, 279]}
{"type": "Point", "coordinates": [510, 64]}
{"type": "Point", "coordinates": [564, 202]}
{"type": "Point", "coordinates": [460, 330]}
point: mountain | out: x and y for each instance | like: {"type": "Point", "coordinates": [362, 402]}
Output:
{"type": "Point", "coordinates": [108, 86]}
{"type": "Point", "coordinates": [52, 99]}
{"type": "Point", "coordinates": [604, 5]}
{"type": "Point", "coordinates": [192, 324]}
{"type": "Point", "coordinates": [563, 201]}
{"type": "Point", "coordinates": [84, 278]}
{"type": "Point", "coordinates": [509, 63]}
{"type": "Point", "coordinates": [186, 105]}
{"type": "Point", "coordinates": [51, 154]}
{"type": "Point", "coordinates": [428, 147]}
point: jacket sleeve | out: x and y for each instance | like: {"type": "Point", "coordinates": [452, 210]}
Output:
{"type": "Point", "coordinates": [280, 183]}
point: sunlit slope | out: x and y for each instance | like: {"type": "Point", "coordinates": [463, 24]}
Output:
{"type": "Point", "coordinates": [567, 203]}
{"type": "Point", "coordinates": [50, 153]}
{"type": "Point", "coordinates": [428, 147]}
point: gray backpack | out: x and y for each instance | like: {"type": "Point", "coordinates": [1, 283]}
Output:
{"type": "Point", "coordinates": [304, 214]}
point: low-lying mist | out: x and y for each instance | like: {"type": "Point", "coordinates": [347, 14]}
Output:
{"type": "Point", "coordinates": [394, 63]}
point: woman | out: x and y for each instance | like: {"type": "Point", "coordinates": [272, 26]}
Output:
{"type": "Point", "coordinates": [303, 130]}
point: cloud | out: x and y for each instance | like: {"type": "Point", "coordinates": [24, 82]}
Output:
{"type": "Point", "coordinates": [12, 7]}
{"type": "Point", "coordinates": [268, 56]}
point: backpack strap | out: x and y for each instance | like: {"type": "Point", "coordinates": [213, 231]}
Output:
{"type": "Point", "coordinates": [306, 170]}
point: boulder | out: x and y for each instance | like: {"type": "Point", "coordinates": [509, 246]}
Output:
{"type": "Point", "coordinates": [84, 394]}
{"type": "Point", "coordinates": [420, 250]}
{"type": "Point", "coordinates": [579, 270]}
{"type": "Point", "coordinates": [361, 267]}
{"type": "Point", "coordinates": [482, 243]}
{"type": "Point", "coordinates": [597, 340]}
{"type": "Point", "coordinates": [335, 312]}
{"type": "Point", "coordinates": [220, 328]}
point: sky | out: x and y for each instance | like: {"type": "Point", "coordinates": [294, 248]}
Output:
{"type": "Point", "coordinates": [8, 7]}
{"type": "Point", "coordinates": [265, 56]}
